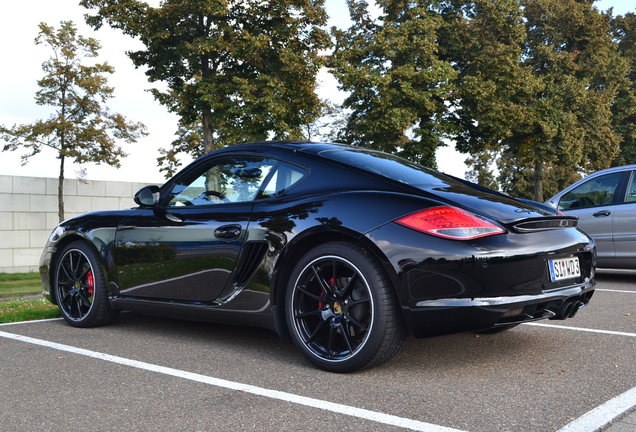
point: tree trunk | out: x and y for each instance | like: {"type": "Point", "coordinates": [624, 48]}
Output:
{"type": "Point", "coordinates": [60, 190]}
{"type": "Point", "coordinates": [208, 137]}
{"type": "Point", "coordinates": [60, 180]}
{"type": "Point", "coordinates": [538, 181]}
{"type": "Point", "coordinates": [427, 146]}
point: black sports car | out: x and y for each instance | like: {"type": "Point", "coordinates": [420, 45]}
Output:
{"type": "Point", "coordinates": [342, 249]}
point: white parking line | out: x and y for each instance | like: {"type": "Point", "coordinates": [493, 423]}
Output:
{"type": "Point", "coordinates": [582, 329]}
{"type": "Point", "coordinates": [603, 414]}
{"type": "Point", "coordinates": [615, 291]}
{"type": "Point", "coordinates": [31, 322]}
{"type": "Point", "coordinates": [232, 385]}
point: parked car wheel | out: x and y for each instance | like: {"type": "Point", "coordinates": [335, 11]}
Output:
{"type": "Point", "coordinates": [80, 287]}
{"type": "Point", "coordinates": [341, 309]}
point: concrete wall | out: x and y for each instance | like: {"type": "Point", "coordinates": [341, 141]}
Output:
{"type": "Point", "coordinates": [28, 212]}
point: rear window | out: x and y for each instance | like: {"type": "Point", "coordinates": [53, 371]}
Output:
{"type": "Point", "coordinates": [390, 166]}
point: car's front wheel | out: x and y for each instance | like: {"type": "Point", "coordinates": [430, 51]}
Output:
{"type": "Point", "coordinates": [80, 286]}
{"type": "Point", "coordinates": [341, 309]}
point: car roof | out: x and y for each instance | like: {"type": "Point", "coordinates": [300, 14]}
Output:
{"type": "Point", "coordinates": [299, 145]}
{"type": "Point", "coordinates": [611, 170]}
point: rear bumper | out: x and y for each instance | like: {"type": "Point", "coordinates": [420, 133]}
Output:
{"type": "Point", "coordinates": [444, 316]}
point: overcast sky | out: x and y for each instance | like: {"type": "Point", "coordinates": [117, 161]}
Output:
{"type": "Point", "coordinates": [21, 68]}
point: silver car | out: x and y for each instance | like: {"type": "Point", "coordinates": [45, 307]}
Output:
{"type": "Point", "coordinates": [605, 203]}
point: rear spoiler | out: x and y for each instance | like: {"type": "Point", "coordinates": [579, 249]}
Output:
{"type": "Point", "coordinates": [542, 223]}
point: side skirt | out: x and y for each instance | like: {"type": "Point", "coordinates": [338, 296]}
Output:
{"type": "Point", "coordinates": [262, 317]}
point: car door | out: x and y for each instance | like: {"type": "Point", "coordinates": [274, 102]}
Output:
{"type": "Point", "coordinates": [625, 226]}
{"type": "Point", "coordinates": [186, 248]}
{"type": "Point", "coordinates": [595, 202]}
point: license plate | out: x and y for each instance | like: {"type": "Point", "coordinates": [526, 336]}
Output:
{"type": "Point", "coordinates": [564, 268]}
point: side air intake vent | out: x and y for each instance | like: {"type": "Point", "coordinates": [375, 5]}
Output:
{"type": "Point", "coordinates": [252, 257]}
{"type": "Point", "coordinates": [545, 223]}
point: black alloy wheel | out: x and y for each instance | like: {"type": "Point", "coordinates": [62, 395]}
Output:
{"type": "Point", "coordinates": [341, 309]}
{"type": "Point", "coordinates": [80, 287]}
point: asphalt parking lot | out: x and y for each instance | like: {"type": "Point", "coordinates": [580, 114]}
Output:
{"type": "Point", "coordinates": [147, 373]}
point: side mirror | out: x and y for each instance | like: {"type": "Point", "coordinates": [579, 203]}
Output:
{"type": "Point", "coordinates": [147, 196]}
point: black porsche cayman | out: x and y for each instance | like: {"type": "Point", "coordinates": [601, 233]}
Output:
{"type": "Point", "coordinates": [342, 249]}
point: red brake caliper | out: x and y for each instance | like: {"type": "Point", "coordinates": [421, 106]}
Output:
{"type": "Point", "coordinates": [331, 282]}
{"type": "Point", "coordinates": [90, 281]}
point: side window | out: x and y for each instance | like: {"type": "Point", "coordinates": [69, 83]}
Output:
{"type": "Point", "coordinates": [630, 196]}
{"type": "Point", "coordinates": [229, 180]}
{"type": "Point", "coordinates": [598, 191]}
{"type": "Point", "coordinates": [282, 179]}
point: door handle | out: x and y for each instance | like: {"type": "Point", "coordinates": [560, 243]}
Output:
{"type": "Point", "coordinates": [228, 232]}
{"type": "Point", "coordinates": [602, 213]}
{"type": "Point", "coordinates": [173, 218]}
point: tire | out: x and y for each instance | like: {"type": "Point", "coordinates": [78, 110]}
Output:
{"type": "Point", "coordinates": [341, 310]}
{"type": "Point", "coordinates": [80, 286]}
{"type": "Point", "coordinates": [498, 329]}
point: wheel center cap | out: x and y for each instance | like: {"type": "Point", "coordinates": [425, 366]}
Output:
{"type": "Point", "coordinates": [77, 284]}
{"type": "Point", "coordinates": [337, 308]}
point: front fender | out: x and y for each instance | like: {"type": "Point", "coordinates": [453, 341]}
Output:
{"type": "Point", "coordinates": [96, 229]}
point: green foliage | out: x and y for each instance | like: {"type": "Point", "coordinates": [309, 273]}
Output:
{"type": "Point", "coordinates": [624, 109]}
{"type": "Point", "coordinates": [397, 83]}
{"type": "Point", "coordinates": [189, 142]}
{"type": "Point", "coordinates": [26, 310]}
{"type": "Point", "coordinates": [80, 127]}
{"type": "Point", "coordinates": [235, 71]}
{"type": "Point", "coordinates": [19, 284]}
{"type": "Point", "coordinates": [538, 79]}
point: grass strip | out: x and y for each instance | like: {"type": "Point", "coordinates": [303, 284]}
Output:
{"type": "Point", "coordinates": [19, 284]}
{"type": "Point", "coordinates": [19, 276]}
{"type": "Point", "coordinates": [27, 310]}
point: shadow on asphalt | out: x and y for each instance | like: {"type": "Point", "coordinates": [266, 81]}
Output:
{"type": "Point", "coordinates": [436, 352]}
{"type": "Point", "coordinates": [628, 278]}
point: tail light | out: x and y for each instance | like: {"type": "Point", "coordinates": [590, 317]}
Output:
{"type": "Point", "coordinates": [451, 223]}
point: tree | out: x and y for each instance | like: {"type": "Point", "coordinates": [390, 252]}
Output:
{"type": "Point", "coordinates": [398, 85]}
{"type": "Point", "coordinates": [81, 127]}
{"type": "Point", "coordinates": [624, 109]}
{"type": "Point", "coordinates": [235, 70]}
{"type": "Point", "coordinates": [555, 83]}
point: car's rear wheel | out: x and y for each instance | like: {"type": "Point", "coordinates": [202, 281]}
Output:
{"type": "Point", "coordinates": [80, 287]}
{"type": "Point", "coordinates": [341, 309]}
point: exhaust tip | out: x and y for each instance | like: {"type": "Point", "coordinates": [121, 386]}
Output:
{"type": "Point", "coordinates": [575, 308]}
{"type": "Point", "coordinates": [565, 311]}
